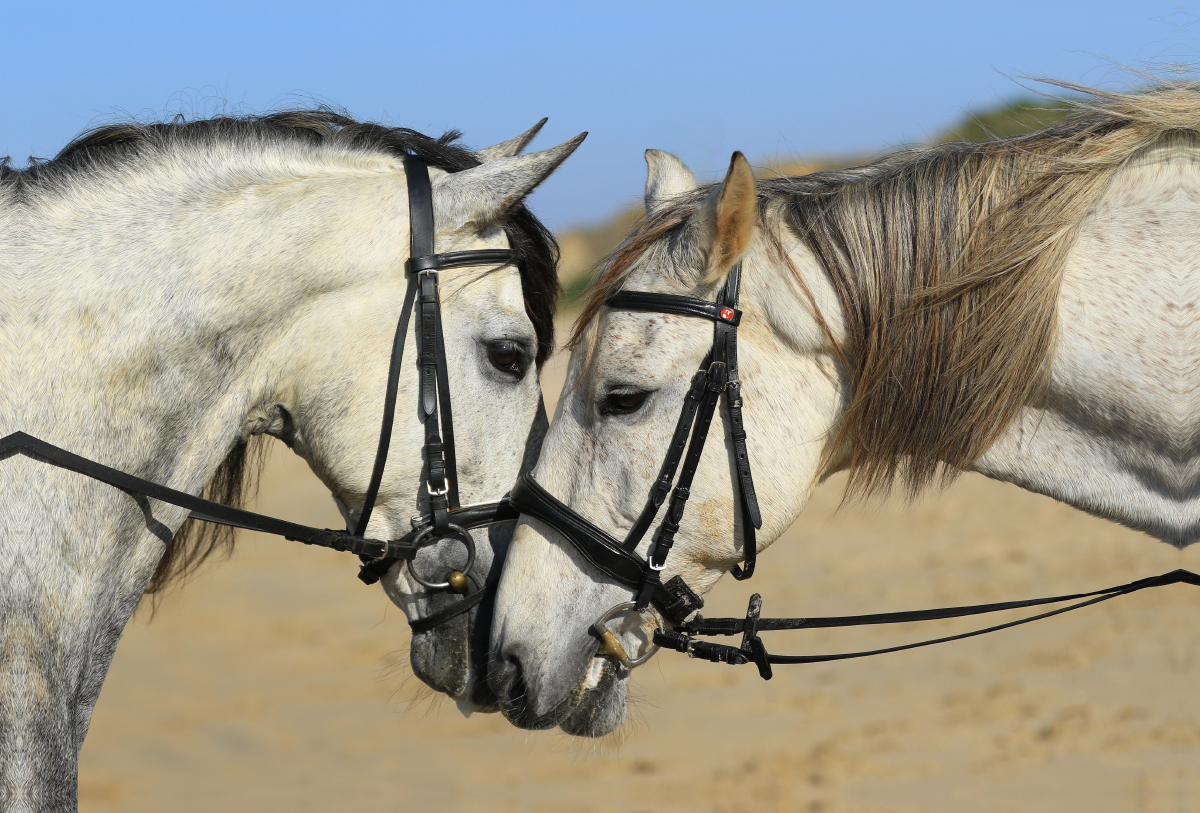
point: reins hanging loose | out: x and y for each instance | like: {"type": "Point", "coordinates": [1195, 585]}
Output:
{"type": "Point", "coordinates": [752, 649]}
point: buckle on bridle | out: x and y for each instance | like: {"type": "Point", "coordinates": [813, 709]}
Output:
{"type": "Point", "coordinates": [445, 489]}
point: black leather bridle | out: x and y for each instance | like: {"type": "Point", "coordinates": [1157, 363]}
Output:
{"type": "Point", "coordinates": [674, 600]}
{"type": "Point", "coordinates": [716, 378]}
{"type": "Point", "coordinates": [445, 517]}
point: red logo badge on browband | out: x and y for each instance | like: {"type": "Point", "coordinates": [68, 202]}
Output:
{"type": "Point", "coordinates": [727, 314]}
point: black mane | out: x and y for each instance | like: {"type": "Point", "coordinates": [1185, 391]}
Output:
{"type": "Point", "coordinates": [536, 249]}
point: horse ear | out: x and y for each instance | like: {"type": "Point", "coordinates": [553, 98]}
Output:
{"type": "Point", "coordinates": [481, 195]}
{"type": "Point", "coordinates": [507, 149]}
{"type": "Point", "coordinates": [666, 177]}
{"type": "Point", "coordinates": [723, 224]}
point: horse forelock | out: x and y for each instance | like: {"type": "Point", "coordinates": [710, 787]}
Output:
{"type": "Point", "coordinates": [121, 147]}
{"type": "Point", "coordinates": [946, 261]}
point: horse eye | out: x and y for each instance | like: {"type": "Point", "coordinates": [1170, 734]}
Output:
{"type": "Point", "coordinates": [623, 403]}
{"type": "Point", "coordinates": [506, 356]}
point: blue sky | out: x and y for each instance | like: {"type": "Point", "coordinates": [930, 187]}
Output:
{"type": "Point", "coordinates": [774, 80]}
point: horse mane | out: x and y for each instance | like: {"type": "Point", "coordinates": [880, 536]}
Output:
{"type": "Point", "coordinates": [947, 262]}
{"type": "Point", "coordinates": [115, 145]}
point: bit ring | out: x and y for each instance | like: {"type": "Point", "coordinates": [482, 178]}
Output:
{"type": "Point", "coordinates": [455, 531]}
{"type": "Point", "coordinates": [609, 643]}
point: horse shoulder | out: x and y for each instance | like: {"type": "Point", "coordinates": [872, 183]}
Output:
{"type": "Point", "coordinates": [1115, 431]}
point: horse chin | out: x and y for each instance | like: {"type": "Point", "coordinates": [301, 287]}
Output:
{"type": "Point", "coordinates": [595, 707]}
{"type": "Point", "coordinates": [600, 702]}
{"type": "Point", "coordinates": [452, 658]}
{"type": "Point", "coordinates": [440, 658]}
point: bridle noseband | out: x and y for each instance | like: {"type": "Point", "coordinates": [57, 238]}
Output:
{"type": "Point", "coordinates": [446, 517]}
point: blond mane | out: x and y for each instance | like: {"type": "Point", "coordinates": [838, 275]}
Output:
{"type": "Point", "coordinates": [947, 262]}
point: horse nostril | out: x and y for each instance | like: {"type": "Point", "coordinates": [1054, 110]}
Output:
{"type": "Point", "coordinates": [507, 679]}
{"type": "Point", "coordinates": [506, 673]}
{"type": "Point", "coordinates": [514, 680]}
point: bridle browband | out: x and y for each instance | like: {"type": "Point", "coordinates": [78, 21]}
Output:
{"type": "Point", "coordinates": [446, 517]}
{"type": "Point", "coordinates": [674, 600]}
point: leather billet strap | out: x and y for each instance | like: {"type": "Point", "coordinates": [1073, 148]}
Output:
{"type": "Point", "coordinates": [439, 456]}
{"type": "Point", "coordinates": [747, 496]}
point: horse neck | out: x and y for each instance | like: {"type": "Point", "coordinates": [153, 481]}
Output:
{"type": "Point", "coordinates": [156, 313]}
{"type": "Point", "coordinates": [163, 305]}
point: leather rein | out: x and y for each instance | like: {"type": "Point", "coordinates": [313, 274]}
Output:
{"type": "Point", "coordinates": [446, 516]}
{"type": "Point", "coordinates": [673, 600]}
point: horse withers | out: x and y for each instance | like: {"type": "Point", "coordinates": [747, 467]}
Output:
{"type": "Point", "coordinates": [172, 292]}
{"type": "Point", "coordinates": [1019, 307]}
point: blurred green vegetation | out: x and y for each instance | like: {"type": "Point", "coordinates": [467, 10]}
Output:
{"type": "Point", "coordinates": [1009, 119]}
{"type": "Point", "coordinates": [584, 248]}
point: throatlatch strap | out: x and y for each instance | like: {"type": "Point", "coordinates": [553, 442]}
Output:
{"type": "Point", "coordinates": [389, 410]}
{"type": "Point", "coordinates": [747, 496]}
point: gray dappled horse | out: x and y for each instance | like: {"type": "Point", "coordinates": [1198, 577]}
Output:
{"type": "Point", "coordinates": [1025, 308]}
{"type": "Point", "coordinates": [168, 292]}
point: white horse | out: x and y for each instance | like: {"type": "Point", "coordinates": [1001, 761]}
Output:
{"type": "Point", "coordinates": [1025, 308]}
{"type": "Point", "coordinates": [172, 291]}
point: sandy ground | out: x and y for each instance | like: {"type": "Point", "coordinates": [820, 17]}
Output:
{"type": "Point", "coordinates": [276, 681]}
